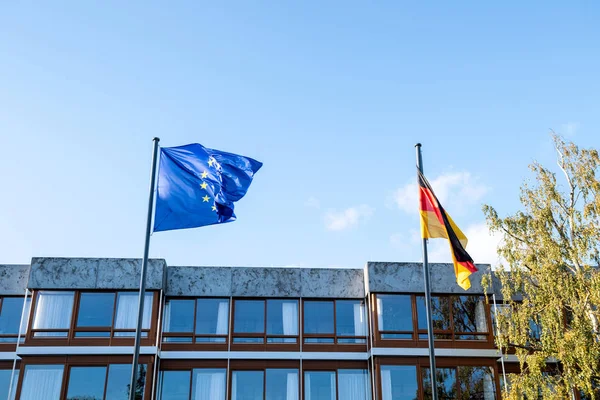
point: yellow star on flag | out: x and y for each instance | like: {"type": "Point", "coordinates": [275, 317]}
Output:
{"type": "Point", "coordinates": [204, 175]}
{"type": "Point", "coordinates": [210, 162]}
{"type": "Point", "coordinates": [214, 208]}
{"type": "Point", "coordinates": [203, 185]}
{"type": "Point", "coordinates": [205, 199]}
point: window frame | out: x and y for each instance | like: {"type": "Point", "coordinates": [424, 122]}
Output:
{"type": "Point", "coordinates": [442, 362]}
{"type": "Point", "coordinates": [84, 361]}
{"type": "Point", "coordinates": [336, 345]}
{"type": "Point", "coordinates": [420, 342]}
{"type": "Point", "coordinates": [71, 339]}
{"type": "Point", "coordinates": [334, 366]}
{"type": "Point", "coordinates": [10, 346]}
{"type": "Point", "coordinates": [265, 345]}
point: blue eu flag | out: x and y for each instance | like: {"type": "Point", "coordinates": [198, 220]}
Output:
{"type": "Point", "coordinates": [197, 186]}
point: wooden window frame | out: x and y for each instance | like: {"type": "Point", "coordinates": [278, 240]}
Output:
{"type": "Point", "coordinates": [265, 345]}
{"type": "Point", "coordinates": [194, 344]}
{"type": "Point", "coordinates": [262, 366]}
{"type": "Point", "coordinates": [441, 362]}
{"type": "Point", "coordinates": [336, 346]}
{"type": "Point", "coordinates": [85, 361]}
{"type": "Point", "coordinates": [72, 340]}
{"type": "Point", "coordinates": [332, 366]}
{"type": "Point", "coordinates": [416, 341]}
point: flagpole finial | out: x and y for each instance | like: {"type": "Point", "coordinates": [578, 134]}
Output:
{"type": "Point", "coordinates": [418, 145]}
{"type": "Point", "coordinates": [156, 139]}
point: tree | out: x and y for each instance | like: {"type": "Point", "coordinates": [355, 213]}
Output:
{"type": "Point", "coordinates": [551, 279]}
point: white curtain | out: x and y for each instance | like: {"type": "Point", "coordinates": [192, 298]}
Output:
{"type": "Point", "coordinates": [360, 325]}
{"type": "Point", "coordinates": [166, 317]}
{"type": "Point", "coordinates": [332, 386]}
{"type": "Point", "coordinates": [53, 311]}
{"type": "Point", "coordinates": [127, 309]}
{"type": "Point", "coordinates": [289, 311]}
{"type": "Point", "coordinates": [25, 320]}
{"type": "Point", "coordinates": [292, 386]}
{"type": "Point", "coordinates": [209, 384]}
{"type": "Point", "coordinates": [307, 386]}
{"type": "Point", "coordinates": [380, 314]}
{"type": "Point", "coordinates": [223, 318]}
{"type": "Point", "coordinates": [480, 318]}
{"type": "Point", "coordinates": [386, 384]}
{"type": "Point", "coordinates": [352, 385]}
{"type": "Point", "coordinates": [42, 382]}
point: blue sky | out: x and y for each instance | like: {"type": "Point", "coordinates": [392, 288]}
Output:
{"type": "Point", "coordinates": [330, 96]}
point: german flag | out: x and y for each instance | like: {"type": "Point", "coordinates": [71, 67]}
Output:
{"type": "Point", "coordinates": [436, 223]}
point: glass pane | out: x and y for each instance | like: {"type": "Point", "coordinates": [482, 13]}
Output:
{"type": "Point", "coordinates": [282, 317]}
{"type": "Point", "coordinates": [440, 312]}
{"type": "Point", "coordinates": [249, 316]}
{"type": "Point", "coordinates": [469, 314]}
{"type": "Point", "coordinates": [175, 385]}
{"type": "Point", "coordinates": [127, 310]}
{"type": "Point", "coordinates": [86, 383]}
{"type": "Point", "coordinates": [53, 310]}
{"type": "Point", "coordinates": [5, 383]}
{"type": "Point", "coordinates": [350, 318]}
{"type": "Point", "coordinates": [247, 385]}
{"type": "Point", "coordinates": [92, 334]}
{"type": "Point", "coordinates": [212, 317]}
{"type": "Point", "coordinates": [319, 385]}
{"type": "Point", "coordinates": [446, 383]}
{"type": "Point", "coordinates": [208, 384]}
{"type": "Point", "coordinates": [318, 317]}
{"type": "Point", "coordinates": [10, 315]}
{"type": "Point", "coordinates": [119, 376]}
{"type": "Point", "coordinates": [282, 384]}
{"type": "Point", "coordinates": [319, 340]}
{"type": "Point", "coordinates": [96, 309]}
{"type": "Point", "coordinates": [179, 316]}
{"type": "Point", "coordinates": [353, 384]}
{"type": "Point", "coordinates": [42, 382]}
{"type": "Point", "coordinates": [477, 383]}
{"type": "Point", "coordinates": [399, 382]}
{"type": "Point", "coordinates": [394, 313]}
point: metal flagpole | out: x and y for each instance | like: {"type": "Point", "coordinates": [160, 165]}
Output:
{"type": "Point", "coordinates": [138, 329]}
{"type": "Point", "coordinates": [432, 370]}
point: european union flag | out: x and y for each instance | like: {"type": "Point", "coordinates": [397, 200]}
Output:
{"type": "Point", "coordinates": [197, 186]}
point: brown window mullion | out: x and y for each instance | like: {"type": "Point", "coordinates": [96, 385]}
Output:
{"type": "Point", "coordinates": [265, 323]}
{"type": "Point", "coordinates": [114, 317]}
{"type": "Point", "coordinates": [451, 312]}
{"type": "Point", "coordinates": [194, 326]}
{"type": "Point", "coordinates": [335, 326]}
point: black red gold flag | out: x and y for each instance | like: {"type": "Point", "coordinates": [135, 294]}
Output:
{"type": "Point", "coordinates": [436, 223]}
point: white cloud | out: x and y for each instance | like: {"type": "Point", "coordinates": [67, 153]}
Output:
{"type": "Point", "coordinates": [344, 219]}
{"type": "Point", "coordinates": [569, 129]}
{"type": "Point", "coordinates": [312, 202]}
{"type": "Point", "coordinates": [482, 246]}
{"type": "Point", "coordinates": [453, 190]}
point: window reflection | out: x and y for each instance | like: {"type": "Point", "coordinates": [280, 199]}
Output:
{"type": "Point", "coordinates": [350, 320]}
{"type": "Point", "coordinates": [5, 383]}
{"type": "Point", "coordinates": [96, 309]}
{"type": "Point", "coordinates": [249, 316]}
{"type": "Point", "coordinates": [476, 383]}
{"type": "Point", "coordinates": [446, 383]}
{"type": "Point", "coordinates": [119, 375]}
{"type": "Point", "coordinates": [469, 316]}
{"type": "Point", "coordinates": [212, 318]}
{"type": "Point", "coordinates": [282, 319]}
{"type": "Point", "coordinates": [10, 318]}
{"type": "Point", "coordinates": [394, 316]}
{"type": "Point", "coordinates": [42, 382]}
{"type": "Point", "coordinates": [319, 385]}
{"type": "Point", "coordinates": [399, 382]}
{"type": "Point", "coordinates": [179, 316]}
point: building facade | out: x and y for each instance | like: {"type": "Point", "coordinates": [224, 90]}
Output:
{"type": "Point", "coordinates": [242, 333]}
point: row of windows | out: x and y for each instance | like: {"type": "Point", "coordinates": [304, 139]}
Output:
{"type": "Point", "coordinates": [111, 382]}
{"type": "Point", "coordinates": [399, 318]}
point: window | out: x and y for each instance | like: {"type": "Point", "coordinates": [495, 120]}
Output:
{"type": "Point", "coordinates": [454, 318]}
{"type": "Point", "coordinates": [462, 382]}
{"type": "Point", "coordinates": [127, 312]}
{"type": "Point", "coordinates": [196, 321]}
{"type": "Point", "coordinates": [197, 384]}
{"type": "Point", "coordinates": [277, 318]}
{"type": "Point", "coordinates": [335, 322]}
{"type": "Point", "coordinates": [105, 382]}
{"type": "Point", "coordinates": [343, 384]}
{"type": "Point", "coordinates": [247, 385]}
{"type": "Point", "coordinates": [53, 312]}
{"type": "Point", "coordinates": [399, 382]}
{"type": "Point", "coordinates": [42, 382]}
{"type": "Point", "coordinates": [394, 316]}
{"type": "Point", "coordinates": [282, 384]}
{"type": "Point", "coordinates": [11, 309]}
{"type": "Point", "coordinates": [95, 313]}
{"type": "Point", "coordinates": [350, 321]}
{"type": "Point", "coordinates": [5, 383]}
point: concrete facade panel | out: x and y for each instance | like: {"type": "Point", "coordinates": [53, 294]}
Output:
{"type": "Point", "coordinates": [332, 282]}
{"type": "Point", "coordinates": [13, 279]}
{"type": "Point", "coordinates": [266, 282]}
{"type": "Point", "coordinates": [198, 281]}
